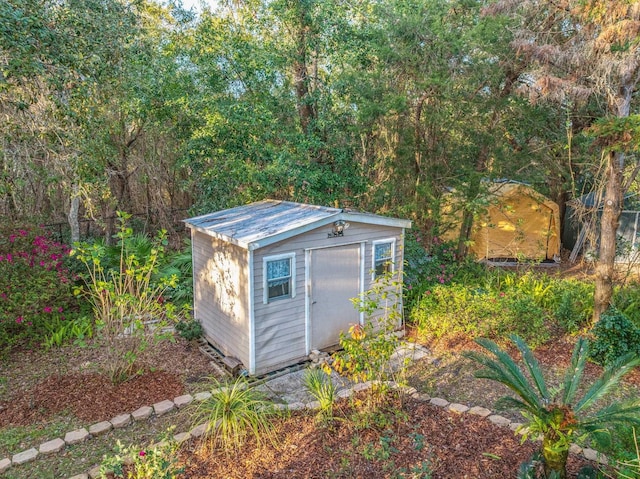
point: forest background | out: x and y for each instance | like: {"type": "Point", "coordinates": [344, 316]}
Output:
{"type": "Point", "coordinates": [112, 105]}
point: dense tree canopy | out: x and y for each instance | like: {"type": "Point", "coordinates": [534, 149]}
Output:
{"type": "Point", "coordinates": [113, 105]}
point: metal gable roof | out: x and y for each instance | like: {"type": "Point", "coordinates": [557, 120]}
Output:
{"type": "Point", "coordinates": [266, 222]}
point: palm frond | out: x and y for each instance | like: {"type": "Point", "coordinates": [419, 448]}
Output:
{"type": "Point", "coordinates": [574, 372]}
{"type": "Point", "coordinates": [532, 366]}
{"type": "Point", "coordinates": [616, 413]}
{"type": "Point", "coordinates": [507, 402]}
{"type": "Point", "coordinates": [610, 378]}
{"type": "Point", "coordinates": [504, 370]}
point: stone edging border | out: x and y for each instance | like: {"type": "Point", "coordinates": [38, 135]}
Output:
{"type": "Point", "coordinates": [167, 406]}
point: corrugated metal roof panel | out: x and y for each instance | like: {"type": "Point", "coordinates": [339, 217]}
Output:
{"type": "Point", "coordinates": [244, 225]}
{"type": "Point", "coordinates": [259, 224]}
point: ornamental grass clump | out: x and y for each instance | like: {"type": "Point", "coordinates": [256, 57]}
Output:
{"type": "Point", "coordinates": [233, 413]}
{"type": "Point", "coordinates": [319, 384]}
{"type": "Point", "coordinates": [558, 415]}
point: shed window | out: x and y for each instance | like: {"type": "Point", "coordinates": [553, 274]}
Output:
{"type": "Point", "coordinates": [279, 277]}
{"type": "Point", "coordinates": [383, 257]}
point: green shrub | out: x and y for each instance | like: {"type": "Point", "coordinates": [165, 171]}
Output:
{"type": "Point", "coordinates": [77, 330]}
{"type": "Point", "coordinates": [614, 336]}
{"type": "Point", "coordinates": [36, 286]}
{"type": "Point", "coordinates": [500, 302]}
{"type": "Point", "coordinates": [417, 263]}
{"type": "Point", "coordinates": [627, 300]}
{"type": "Point", "coordinates": [128, 304]}
{"type": "Point", "coordinates": [621, 449]}
{"type": "Point", "coordinates": [447, 311]}
{"type": "Point", "coordinates": [367, 348]}
{"type": "Point", "coordinates": [538, 288]}
{"type": "Point", "coordinates": [428, 265]}
{"type": "Point", "coordinates": [155, 462]}
{"type": "Point", "coordinates": [189, 329]}
{"type": "Point", "coordinates": [179, 264]}
{"type": "Point", "coordinates": [573, 304]}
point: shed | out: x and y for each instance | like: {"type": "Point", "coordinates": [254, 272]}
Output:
{"type": "Point", "coordinates": [581, 229]}
{"type": "Point", "coordinates": [518, 222]}
{"type": "Point", "coordinates": [273, 280]}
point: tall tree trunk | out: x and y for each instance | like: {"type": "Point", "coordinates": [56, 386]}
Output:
{"type": "Point", "coordinates": [510, 77]}
{"type": "Point", "coordinates": [468, 211]}
{"type": "Point", "coordinates": [421, 218]}
{"type": "Point", "coordinates": [74, 208]}
{"type": "Point", "coordinates": [613, 200]}
{"type": "Point", "coordinates": [611, 210]}
{"type": "Point", "coordinates": [305, 110]}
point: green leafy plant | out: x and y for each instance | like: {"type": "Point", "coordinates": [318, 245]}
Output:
{"type": "Point", "coordinates": [626, 299]}
{"type": "Point", "coordinates": [629, 468]}
{"type": "Point", "coordinates": [367, 349]}
{"type": "Point", "coordinates": [319, 384]}
{"type": "Point", "coordinates": [559, 416]}
{"type": "Point", "coordinates": [614, 336]}
{"type": "Point", "coordinates": [179, 264]}
{"type": "Point", "coordinates": [155, 462]}
{"type": "Point", "coordinates": [459, 310]}
{"type": "Point", "coordinates": [421, 471]}
{"type": "Point", "coordinates": [427, 265]}
{"type": "Point", "coordinates": [234, 412]}
{"type": "Point", "coordinates": [128, 304]}
{"type": "Point", "coordinates": [189, 329]}
{"type": "Point", "coordinates": [78, 330]}
{"type": "Point", "coordinates": [573, 305]}
{"type": "Point", "coordinates": [498, 303]}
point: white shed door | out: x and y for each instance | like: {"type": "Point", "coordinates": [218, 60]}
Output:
{"type": "Point", "coordinates": [335, 279]}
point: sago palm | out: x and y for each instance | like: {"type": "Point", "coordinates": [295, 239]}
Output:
{"type": "Point", "coordinates": [557, 414]}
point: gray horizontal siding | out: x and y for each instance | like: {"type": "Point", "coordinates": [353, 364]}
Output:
{"type": "Point", "coordinates": [280, 325]}
{"type": "Point", "coordinates": [221, 295]}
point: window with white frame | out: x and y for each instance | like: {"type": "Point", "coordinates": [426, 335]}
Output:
{"type": "Point", "coordinates": [279, 277]}
{"type": "Point", "coordinates": [383, 256]}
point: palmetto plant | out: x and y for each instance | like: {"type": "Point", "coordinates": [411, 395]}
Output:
{"type": "Point", "coordinates": [557, 415]}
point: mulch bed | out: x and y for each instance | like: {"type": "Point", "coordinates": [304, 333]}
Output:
{"type": "Point", "coordinates": [452, 446]}
{"type": "Point", "coordinates": [43, 384]}
{"type": "Point", "coordinates": [417, 434]}
{"type": "Point", "coordinates": [89, 397]}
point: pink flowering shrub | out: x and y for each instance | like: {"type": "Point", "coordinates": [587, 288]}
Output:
{"type": "Point", "coordinates": [35, 285]}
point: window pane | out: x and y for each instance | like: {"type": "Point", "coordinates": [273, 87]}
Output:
{"type": "Point", "coordinates": [279, 278]}
{"type": "Point", "coordinates": [383, 266]}
{"type": "Point", "coordinates": [383, 251]}
{"type": "Point", "coordinates": [279, 269]}
{"type": "Point", "coordinates": [382, 258]}
{"type": "Point", "coordinates": [279, 288]}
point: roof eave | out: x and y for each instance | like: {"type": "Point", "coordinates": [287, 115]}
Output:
{"type": "Point", "coordinates": [376, 219]}
{"type": "Point", "coordinates": [214, 234]}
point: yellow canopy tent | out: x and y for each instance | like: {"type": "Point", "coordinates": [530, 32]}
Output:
{"type": "Point", "coordinates": [518, 223]}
